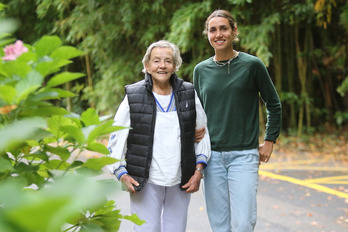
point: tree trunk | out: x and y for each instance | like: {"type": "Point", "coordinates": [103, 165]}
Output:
{"type": "Point", "coordinates": [290, 74]}
{"type": "Point", "coordinates": [277, 54]}
{"type": "Point", "coordinates": [68, 99]}
{"type": "Point", "coordinates": [302, 73]}
{"type": "Point", "coordinates": [89, 78]}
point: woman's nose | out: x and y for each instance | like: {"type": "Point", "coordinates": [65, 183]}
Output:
{"type": "Point", "coordinates": [218, 33]}
{"type": "Point", "coordinates": [162, 64]}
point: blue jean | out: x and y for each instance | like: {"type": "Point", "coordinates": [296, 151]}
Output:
{"type": "Point", "coordinates": [230, 187]}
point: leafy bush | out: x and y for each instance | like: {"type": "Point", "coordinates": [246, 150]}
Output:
{"type": "Point", "coordinates": [45, 185]}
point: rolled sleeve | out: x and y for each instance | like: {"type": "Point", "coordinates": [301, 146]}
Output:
{"type": "Point", "coordinates": [202, 149]}
{"type": "Point", "coordinates": [117, 144]}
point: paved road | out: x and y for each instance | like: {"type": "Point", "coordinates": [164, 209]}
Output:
{"type": "Point", "coordinates": [300, 194]}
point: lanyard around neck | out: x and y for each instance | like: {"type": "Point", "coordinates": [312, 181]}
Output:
{"type": "Point", "coordinates": [170, 103]}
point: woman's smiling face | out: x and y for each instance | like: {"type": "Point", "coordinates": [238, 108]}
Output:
{"type": "Point", "coordinates": [161, 64]}
{"type": "Point", "coordinates": [220, 33]}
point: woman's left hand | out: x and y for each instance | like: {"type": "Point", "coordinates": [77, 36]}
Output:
{"type": "Point", "coordinates": [199, 134]}
{"type": "Point", "coordinates": [265, 151]}
{"type": "Point", "coordinates": [193, 184]}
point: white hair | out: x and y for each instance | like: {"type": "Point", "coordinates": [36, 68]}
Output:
{"type": "Point", "coordinates": [163, 44]}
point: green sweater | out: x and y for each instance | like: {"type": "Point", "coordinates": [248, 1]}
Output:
{"type": "Point", "coordinates": [231, 102]}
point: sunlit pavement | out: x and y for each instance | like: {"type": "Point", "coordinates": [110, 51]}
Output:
{"type": "Point", "coordinates": [296, 194]}
{"type": "Point", "coordinates": [303, 193]}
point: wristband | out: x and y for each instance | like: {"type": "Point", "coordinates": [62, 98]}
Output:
{"type": "Point", "coordinates": [201, 171]}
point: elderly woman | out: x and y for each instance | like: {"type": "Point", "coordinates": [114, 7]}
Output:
{"type": "Point", "coordinates": [160, 162]}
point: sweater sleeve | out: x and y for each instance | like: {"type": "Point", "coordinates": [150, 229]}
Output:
{"type": "Point", "coordinates": [196, 81]}
{"type": "Point", "coordinates": [272, 102]}
{"type": "Point", "coordinates": [117, 144]}
{"type": "Point", "coordinates": [203, 147]}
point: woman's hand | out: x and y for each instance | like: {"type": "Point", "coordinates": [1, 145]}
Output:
{"type": "Point", "coordinates": [199, 134]}
{"type": "Point", "coordinates": [265, 151]}
{"type": "Point", "coordinates": [193, 184]}
{"type": "Point", "coordinates": [128, 182]}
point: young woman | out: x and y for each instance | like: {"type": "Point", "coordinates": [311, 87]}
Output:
{"type": "Point", "coordinates": [229, 85]}
{"type": "Point", "coordinates": [160, 163]}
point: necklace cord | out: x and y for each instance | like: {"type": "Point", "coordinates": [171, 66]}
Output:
{"type": "Point", "coordinates": [222, 64]}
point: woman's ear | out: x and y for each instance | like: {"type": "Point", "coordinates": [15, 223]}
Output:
{"type": "Point", "coordinates": [147, 67]}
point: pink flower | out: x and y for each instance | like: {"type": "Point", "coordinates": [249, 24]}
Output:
{"type": "Point", "coordinates": [13, 51]}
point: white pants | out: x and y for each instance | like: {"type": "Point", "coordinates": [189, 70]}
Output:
{"type": "Point", "coordinates": [163, 208]}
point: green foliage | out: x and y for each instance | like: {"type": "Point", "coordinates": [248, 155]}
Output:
{"type": "Point", "coordinates": [45, 182]}
{"type": "Point", "coordinates": [256, 37]}
{"type": "Point", "coordinates": [115, 34]}
{"type": "Point", "coordinates": [185, 22]}
{"type": "Point", "coordinates": [341, 117]}
{"type": "Point", "coordinates": [344, 87]}
{"type": "Point", "coordinates": [344, 16]}
{"type": "Point", "coordinates": [51, 207]}
{"type": "Point", "coordinates": [7, 26]}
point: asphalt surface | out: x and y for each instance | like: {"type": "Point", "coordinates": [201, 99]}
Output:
{"type": "Point", "coordinates": [294, 195]}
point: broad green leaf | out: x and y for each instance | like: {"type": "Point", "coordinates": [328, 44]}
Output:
{"type": "Point", "coordinates": [91, 227]}
{"type": "Point", "coordinates": [90, 117]}
{"type": "Point", "coordinates": [15, 68]}
{"type": "Point", "coordinates": [98, 147]}
{"type": "Point", "coordinates": [62, 78]}
{"type": "Point", "coordinates": [343, 88]}
{"type": "Point", "coordinates": [135, 219]}
{"type": "Point", "coordinates": [28, 85]}
{"type": "Point", "coordinates": [62, 152]}
{"type": "Point", "coordinates": [52, 66]}
{"type": "Point", "coordinates": [66, 52]}
{"type": "Point", "coordinates": [39, 134]}
{"type": "Point", "coordinates": [38, 216]}
{"type": "Point", "coordinates": [61, 92]}
{"type": "Point", "coordinates": [5, 165]}
{"type": "Point", "coordinates": [76, 219]}
{"type": "Point", "coordinates": [33, 178]}
{"type": "Point", "coordinates": [98, 163]}
{"type": "Point", "coordinates": [26, 168]}
{"type": "Point", "coordinates": [51, 93]}
{"type": "Point", "coordinates": [110, 220]}
{"type": "Point", "coordinates": [105, 117]}
{"type": "Point", "coordinates": [7, 25]}
{"type": "Point", "coordinates": [57, 164]}
{"type": "Point", "coordinates": [50, 208]}
{"type": "Point", "coordinates": [109, 205]}
{"type": "Point", "coordinates": [45, 111]}
{"type": "Point", "coordinates": [55, 122]}
{"type": "Point", "coordinates": [46, 45]}
{"type": "Point", "coordinates": [5, 39]}
{"type": "Point", "coordinates": [29, 172]}
{"type": "Point", "coordinates": [102, 129]}
{"type": "Point", "coordinates": [7, 93]}
{"type": "Point", "coordinates": [74, 132]}
{"type": "Point", "coordinates": [76, 164]}
{"type": "Point", "coordinates": [19, 131]}
{"type": "Point", "coordinates": [32, 143]}
{"type": "Point", "coordinates": [28, 57]}
{"type": "Point", "coordinates": [38, 155]}
{"type": "Point", "coordinates": [29, 103]}
{"type": "Point", "coordinates": [44, 172]}
{"type": "Point", "coordinates": [87, 131]}
{"type": "Point", "coordinates": [75, 118]}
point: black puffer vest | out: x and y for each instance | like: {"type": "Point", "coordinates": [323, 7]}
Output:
{"type": "Point", "coordinates": [142, 106]}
